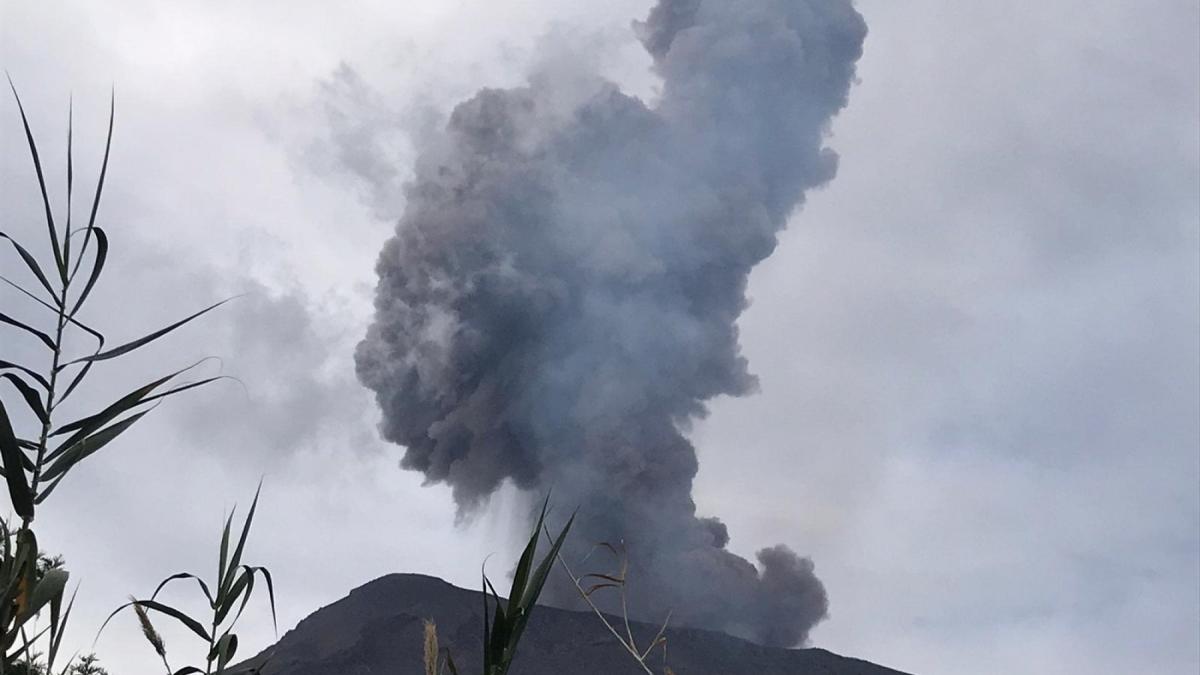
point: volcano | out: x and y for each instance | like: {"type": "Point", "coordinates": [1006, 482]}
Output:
{"type": "Point", "coordinates": [379, 627]}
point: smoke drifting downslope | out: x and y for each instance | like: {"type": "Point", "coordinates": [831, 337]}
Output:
{"type": "Point", "coordinates": [559, 300]}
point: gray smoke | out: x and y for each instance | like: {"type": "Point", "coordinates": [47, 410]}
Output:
{"type": "Point", "coordinates": [561, 295]}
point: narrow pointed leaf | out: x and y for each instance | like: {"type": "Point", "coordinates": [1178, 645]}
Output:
{"type": "Point", "coordinates": [37, 165]}
{"type": "Point", "coordinates": [130, 346]}
{"type": "Point", "coordinates": [58, 626]}
{"type": "Point", "coordinates": [51, 586]}
{"type": "Point", "coordinates": [30, 395]}
{"type": "Point", "coordinates": [14, 470]}
{"type": "Point", "coordinates": [183, 388]}
{"type": "Point", "coordinates": [33, 265]}
{"type": "Point", "coordinates": [525, 564]}
{"type": "Point", "coordinates": [44, 494]}
{"type": "Point", "coordinates": [70, 182]}
{"type": "Point", "coordinates": [236, 559]}
{"type": "Point", "coordinates": [85, 447]}
{"type": "Point", "coordinates": [270, 596]}
{"type": "Point", "coordinates": [596, 587]}
{"type": "Point", "coordinates": [87, 425]}
{"type": "Point", "coordinates": [226, 649]}
{"type": "Point", "coordinates": [4, 318]}
{"type": "Point", "coordinates": [223, 564]}
{"type": "Point", "coordinates": [97, 266]}
{"type": "Point", "coordinates": [184, 575]}
{"type": "Point", "coordinates": [192, 624]}
{"type": "Point", "coordinates": [8, 365]}
{"type": "Point", "coordinates": [57, 312]}
{"type": "Point", "coordinates": [537, 582]}
{"type": "Point", "coordinates": [240, 588]}
{"type": "Point", "coordinates": [91, 226]}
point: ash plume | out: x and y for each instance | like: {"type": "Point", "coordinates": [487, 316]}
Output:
{"type": "Point", "coordinates": [560, 298]}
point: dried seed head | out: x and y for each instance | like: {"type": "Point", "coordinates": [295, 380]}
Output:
{"type": "Point", "coordinates": [431, 648]}
{"type": "Point", "coordinates": [148, 629]}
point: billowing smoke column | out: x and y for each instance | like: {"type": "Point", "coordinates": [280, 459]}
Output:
{"type": "Point", "coordinates": [559, 300]}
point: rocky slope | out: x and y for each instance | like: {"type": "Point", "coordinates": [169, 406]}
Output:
{"type": "Point", "coordinates": [377, 629]}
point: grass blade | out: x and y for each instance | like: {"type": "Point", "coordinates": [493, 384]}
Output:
{"type": "Point", "coordinates": [91, 226]}
{"type": "Point", "coordinates": [41, 178]}
{"type": "Point", "coordinates": [86, 425]}
{"type": "Point", "coordinates": [184, 575]}
{"type": "Point", "coordinates": [187, 621]}
{"type": "Point", "coordinates": [33, 266]}
{"type": "Point", "coordinates": [97, 266]}
{"type": "Point", "coordinates": [236, 559]}
{"type": "Point", "coordinates": [89, 445]}
{"type": "Point", "coordinates": [14, 470]}
{"type": "Point", "coordinates": [130, 346]}
{"type": "Point", "coordinates": [58, 627]}
{"type": "Point", "coordinates": [224, 561]}
{"type": "Point", "coordinates": [30, 395]}
{"type": "Point", "coordinates": [9, 365]}
{"type": "Point", "coordinates": [4, 318]}
{"type": "Point", "coordinates": [70, 182]}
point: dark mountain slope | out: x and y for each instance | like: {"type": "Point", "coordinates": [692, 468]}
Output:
{"type": "Point", "coordinates": [377, 630]}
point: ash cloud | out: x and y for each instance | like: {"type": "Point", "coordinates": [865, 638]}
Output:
{"type": "Point", "coordinates": [560, 298]}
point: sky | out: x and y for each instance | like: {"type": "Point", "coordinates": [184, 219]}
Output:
{"type": "Point", "coordinates": [978, 347]}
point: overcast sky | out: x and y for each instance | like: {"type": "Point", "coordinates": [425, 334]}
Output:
{"type": "Point", "coordinates": [979, 347]}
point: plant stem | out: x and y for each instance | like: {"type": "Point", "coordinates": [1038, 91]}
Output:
{"type": "Point", "coordinates": [583, 594]}
{"type": "Point", "coordinates": [50, 391]}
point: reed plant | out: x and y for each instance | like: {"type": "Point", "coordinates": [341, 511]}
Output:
{"type": "Point", "coordinates": [234, 586]}
{"type": "Point", "coordinates": [39, 449]}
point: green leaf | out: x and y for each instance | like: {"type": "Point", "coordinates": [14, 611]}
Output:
{"type": "Point", "coordinates": [236, 559]}
{"type": "Point", "coordinates": [519, 616]}
{"type": "Point", "coordinates": [4, 318]}
{"type": "Point", "coordinates": [244, 582]}
{"type": "Point", "coordinates": [192, 624]}
{"type": "Point", "coordinates": [33, 266]}
{"type": "Point", "coordinates": [70, 181]}
{"type": "Point", "coordinates": [185, 575]}
{"type": "Point", "coordinates": [183, 388]}
{"type": "Point", "coordinates": [14, 471]}
{"type": "Point", "coordinates": [97, 266]}
{"type": "Point", "coordinates": [58, 626]}
{"type": "Point", "coordinates": [43, 495]}
{"type": "Point", "coordinates": [496, 639]}
{"type": "Point", "coordinates": [130, 346]}
{"type": "Point", "coordinates": [87, 425]}
{"type": "Point", "coordinates": [30, 395]}
{"type": "Point", "coordinates": [223, 564]}
{"type": "Point", "coordinates": [525, 564]}
{"type": "Point", "coordinates": [226, 648]}
{"type": "Point", "coordinates": [51, 586]}
{"type": "Point", "coordinates": [37, 165]}
{"type": "Point", "coordinates": [271, 596]}
{"type": "Point", "coordinates": [8, 365]}
{"type": "Point", "coordinates": [20, 567]}
{"type": "Point", "coordinates": [91, 226]}
{"type": "Point", "coordinates": [57, 312]}
{"type": "Point", "coordinates": [85, 447]}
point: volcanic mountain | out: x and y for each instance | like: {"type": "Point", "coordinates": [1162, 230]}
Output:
{"type": "Point", "coordinates": [378, 628]}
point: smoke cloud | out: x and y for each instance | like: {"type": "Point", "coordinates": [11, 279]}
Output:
{"type": "Point", "coordinates": [560, 298]}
